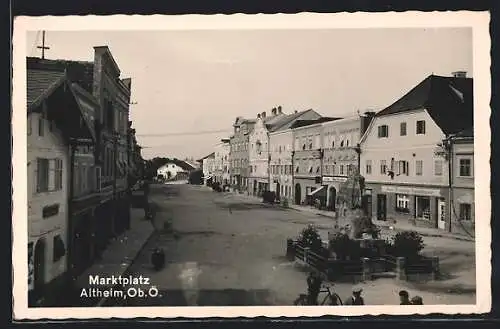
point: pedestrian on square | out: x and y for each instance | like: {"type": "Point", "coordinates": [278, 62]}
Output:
{"type": "Point", "coordinates": [417, 300]}
{"type": "Point", "coordinates": [356, 298]}
{"type": "Point", "coordinates": [404, 298]}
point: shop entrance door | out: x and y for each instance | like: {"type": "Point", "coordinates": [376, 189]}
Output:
{"type": "Point", "coordinates": [441, 214]}
{"type": "Point", "coordinates": [381, 207]}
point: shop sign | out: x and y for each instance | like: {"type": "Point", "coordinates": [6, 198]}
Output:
{"type": "Point", "coordinates": [331, 179]}
{"type": "Point", "coordinates": [410, 190]}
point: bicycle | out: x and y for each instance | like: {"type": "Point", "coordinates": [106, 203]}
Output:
{"type": "Point", "coordinates": [331, 298]}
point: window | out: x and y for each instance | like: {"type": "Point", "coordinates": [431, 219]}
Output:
{"type": "Point", "coordinates": [419, 164]}
{"type": "Point", "coordinates": [333, 169]}
{"type": "Point", "coordinates": [423, 207]}
{"type": "Point", "coordinates": [350, 169]}
{"type": "Point", "coordinates": [368, 167]}
{"type": "Point", "coordinates": [59, 249]}
{"type": "Point", "coordinates": [403, 168]}
{"type": "Point", "coordinates": [310, 145]}
{"type": "Point", "coordinates": [383, 131]}
{"type": "Point", "coordinates": [402, 203]}
{"type": "Point", "coordinates": [42, 175]}
{"type": "Point", "coordinates": [297, 169]}
{"type": "Point", "coordinates": [310, 169]}
{"type": "Point", "coordinates": [29, 125]}
{"type": "Point", "coordinates": [303, 146]}
{"type": "Point", "coordinates": [342, 143]}
{"type": "Point", "coordinates": [342, 169]}
{"type": "Point", "coordinates": [465, 167]}
{"type": "Point", "coordinates": [58, 174]}
{"type": "Point", "coordinates": [465, 211]}
{"type": "Point", "coordinates": [41, 121]}
{"type": "Point", "coordinates": [438, 167]}
{"type": "Point", "coordinates": [420, 127]}
{"type": "Point", "coordinates": [383, 166]}
{"type": "Point", "coordinates": [347, 143]}
{"type": "Point", "coordinates": [333, 144]}
{"type": "Point", "coordinates": [402, 129]}
{"type": "Point", "coordinates": [317, 170]}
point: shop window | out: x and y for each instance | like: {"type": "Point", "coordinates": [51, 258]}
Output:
{"type": "Point", "coordinates": [368, 167]}
{"type": "Point", "coordinates": [465, 211]}
{"type": "Point", "coordinates": [402, 203]}
{"type": "Point", "coordinates": [465, 167]}
{"type": "Point", "coordinates": [423, 207]}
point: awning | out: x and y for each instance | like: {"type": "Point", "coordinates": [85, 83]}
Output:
{"type": "Point", "coordinates": [316, 191]}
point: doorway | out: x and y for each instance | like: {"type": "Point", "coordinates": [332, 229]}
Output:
{"type": "Point", "coordinates": [298, 193]}
{"type": "Point", "coordinates": [441, 214]}
{"type": "Point", "coordinates": [39, 260]}
{"type": "Point", "coordinates": [381, 207]}
{"type": "Point", "coordinates": [332, 197]}
{"type": "Point", "coordinates": [278, 190]}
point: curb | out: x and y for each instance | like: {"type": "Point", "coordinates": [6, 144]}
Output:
{"type": "Point", "coordinates": [103, 300]}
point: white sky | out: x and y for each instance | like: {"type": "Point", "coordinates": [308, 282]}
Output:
{"type": "Point", "coordinates": [189, 81]}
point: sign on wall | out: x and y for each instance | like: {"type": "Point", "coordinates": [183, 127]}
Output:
{"type": "Point", "coordinates": [331, 179]}
{"type": "Point", "coordinates": [410, 190]}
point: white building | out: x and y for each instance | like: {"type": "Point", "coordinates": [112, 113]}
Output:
{"type": "Point", "coordinates": [221, 162]}
{"type": "Point", "coordinates": [53, 119]}
{"type": "Point", "coordinates": [405, 176]}
{"type": "Point", "coordinates": [208, 167]}
{"type": "Point", "coordinates": [170, 170]}
{"type": "Point", "coordinates": [281, 163]}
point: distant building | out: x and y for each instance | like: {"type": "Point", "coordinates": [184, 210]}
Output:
{"type": "Point", "coordinates": [260, 149]}
{"type": "Point", "coordinates": [239, 152]}
{"type": "Point", "coordinates": [208, 167]}
{"type": "Point", "coordinates": [221, 162]}
{"type": "Point", "coordinates": [404, 166]}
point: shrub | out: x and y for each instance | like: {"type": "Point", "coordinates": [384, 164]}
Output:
{"type": "Point", "coordinates": [407, 244]}
{"type": "Point", "coordinates": [309, 237]}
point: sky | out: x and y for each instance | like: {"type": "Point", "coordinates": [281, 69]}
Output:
{"type": "Point", "coordinates": [189, 86]}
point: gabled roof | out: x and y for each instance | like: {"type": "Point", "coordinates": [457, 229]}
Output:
{"type": "Point", "coordinates": [304, 123]}
{"type": "Point", "coordinates": [41, 84]}
{"type": "Point", "coordinates": [448, 100]}
{"type": "Point", "coordinates": [287, 121]}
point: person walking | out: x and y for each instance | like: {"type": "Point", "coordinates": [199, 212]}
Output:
{"type": "Point", "coordinates": [356, 298]}
{"type": "Point", "coordinates": [404, 298]}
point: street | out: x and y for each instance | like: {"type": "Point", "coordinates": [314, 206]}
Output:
{"type": "Point", "coordinates": [228, 250]}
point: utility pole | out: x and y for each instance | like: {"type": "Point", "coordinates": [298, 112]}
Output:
{"type": "Point", "coordinates": [43, 47]}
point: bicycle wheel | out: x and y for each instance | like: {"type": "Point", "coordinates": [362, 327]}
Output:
{"type": "Point", "coordinates": [335, 300]}
{"type": "Point", "coordinates": [300, 301]}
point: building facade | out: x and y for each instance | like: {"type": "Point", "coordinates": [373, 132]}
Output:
{"type": "Point", "coordinates": [170, 171]}
{"type": "Point", "coordinates": [239, 153]}
{"type": "Point", "coordinates": [281, 163]}
{"type": "Point", "coordinates": [341, 152]}
{"type": "Point", "coordinates": [54, 121]}
{"type": "Point", "coordinates": [307, 162]}
{"type": "Point", "coordinates": [462, 187]}
{"type": "Point", "coordinates": [221, 162]}
{"type": "Point", "coordinates": [208, 167]}
{"type": "Point", "coordinates": [405, 177]}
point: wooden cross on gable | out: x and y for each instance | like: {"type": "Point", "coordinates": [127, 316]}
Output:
{"type": "Point", "coordinates": [43, 47]}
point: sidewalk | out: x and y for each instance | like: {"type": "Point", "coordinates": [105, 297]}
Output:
{"type": "Point", "coordinates": [121, 251]}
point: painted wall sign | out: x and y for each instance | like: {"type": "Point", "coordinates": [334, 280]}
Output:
{"type": "Point", "coordinates": [410, 190]}
{"type": "Point", "coordinates": [332, 179]}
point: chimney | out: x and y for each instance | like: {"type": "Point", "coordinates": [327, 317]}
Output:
{"type": "Point", "coordinates": [263, 114]}
{"type": "Point", "coordinates": [459, 74]}
{"type": "Point", "coordinates": [274, 111]}
{"type": "Point", "coordinates": [280, 111]}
